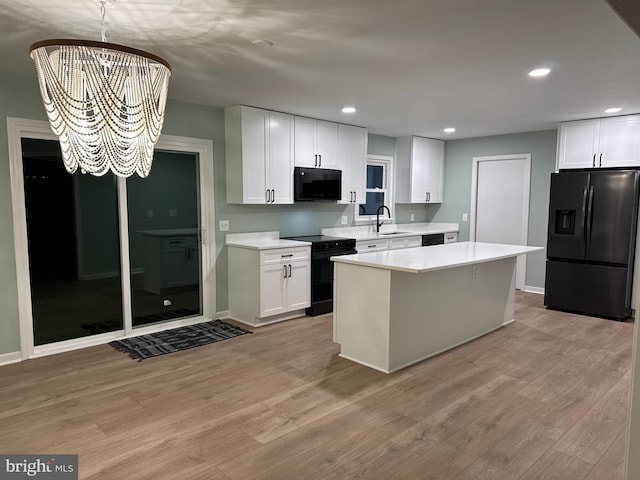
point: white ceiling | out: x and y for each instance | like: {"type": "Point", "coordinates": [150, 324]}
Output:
{"type": "Point", "coordinates": [409, 66]}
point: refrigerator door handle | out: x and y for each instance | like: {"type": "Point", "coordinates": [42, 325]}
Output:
{"type": "Point", "coordinates": [589, 215]}
{"type": "Point", "coordinates": [585, 194]}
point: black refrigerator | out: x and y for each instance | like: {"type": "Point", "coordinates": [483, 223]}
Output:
{"type": "Point", "coordinates": [591, 242]}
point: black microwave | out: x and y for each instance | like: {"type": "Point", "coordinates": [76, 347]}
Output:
{"type": "Point", "coordinates": [316, 184]}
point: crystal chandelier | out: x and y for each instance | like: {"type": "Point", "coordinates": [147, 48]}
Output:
{"type": "Point", "coordinates": [105, 102]}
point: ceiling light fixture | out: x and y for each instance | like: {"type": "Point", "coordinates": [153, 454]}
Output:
{"type": "Point", "coordinates": [539, 72]}
{"type": "Point", "coordinates": [104, 101]}
{"type": "Point", "coordinates": [349, 110]}
{"type": "Point", "coordinates": [449, 130]}
{"type": "Point", "coordinates": [613, 110]}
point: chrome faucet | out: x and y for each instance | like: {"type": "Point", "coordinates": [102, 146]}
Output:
{"type": "Point", "coordinates": [378, 223]}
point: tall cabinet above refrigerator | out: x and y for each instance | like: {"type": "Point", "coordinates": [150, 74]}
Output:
{"type": "Point", "coordinates": [591, 241]}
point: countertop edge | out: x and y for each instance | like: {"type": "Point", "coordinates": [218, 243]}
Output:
{"type": "Point", "coordinates": [371, 264]}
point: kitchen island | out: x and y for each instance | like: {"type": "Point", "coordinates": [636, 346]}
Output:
{"type": "Point", "coordinates": [394, 308]}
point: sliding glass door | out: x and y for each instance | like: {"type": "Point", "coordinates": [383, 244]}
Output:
{"type": "Point", "coordinates": [75, 254]}
{"type": "Point", "coordinates": [74, 249]}
{"type": "Point", "coordinates": [164, 240]}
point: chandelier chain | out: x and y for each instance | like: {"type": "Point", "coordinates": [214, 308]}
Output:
{"type": "Point", "coordinates": [103, 29]}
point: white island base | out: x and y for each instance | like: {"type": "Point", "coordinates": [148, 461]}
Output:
{"type": "Point", "coordinates": [393, 309]}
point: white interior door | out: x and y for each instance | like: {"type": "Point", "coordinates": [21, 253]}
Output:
{"type": "Point", "coordinates": [500, 203]}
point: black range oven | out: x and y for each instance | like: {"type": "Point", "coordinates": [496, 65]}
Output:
{"type": "Point", "coordinates": [322, 249]}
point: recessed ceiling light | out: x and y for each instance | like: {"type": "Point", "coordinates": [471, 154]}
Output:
{"type": "Point", "coordinates": [449, 130]}
{"type": "Point", "coordinates": [613, 110]}
{"type": "Point", "coordinates": [539, 72]}
{"type": "Point", "coordinates": [262, 43]}
{"type": "Point", "coordinates": [349, 110]}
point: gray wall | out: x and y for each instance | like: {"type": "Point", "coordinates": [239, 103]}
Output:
{"type": "Point", "coordinates": [457, 186]}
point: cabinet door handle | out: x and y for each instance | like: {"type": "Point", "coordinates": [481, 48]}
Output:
{"type": "Point", "coordinates": [316, 161]}
{"type": "Point", "coordinates": [289, 270]}
{"type": "Point", "coordinates": [273, 196]}
{"type": "Point", "coordinates": [285, 271]}
{"type": "Point", "coordinates": [320, 157]}
{"type": "Point", "coordinates": [287, 256]}
{"type": "Point", "coordinates": [594, 161]}
{"type": "Point", "coordinates": [600, 161]}
{"type": "Point", "coordinates": [372, 246]}
{"type": "Point", "coordinates": [267, 195]}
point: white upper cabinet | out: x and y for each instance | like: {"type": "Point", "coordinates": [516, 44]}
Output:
{"type": "Point", "coordinates": [352, 160]}
{"type": "Point", "coordinates": [259, 155]}
{"type": "Point", "coordinates": [599, 142]}
{"type": "Point", "coordinates": [419, 170]}
{"type": "Point", "coordinates": [316, 143]}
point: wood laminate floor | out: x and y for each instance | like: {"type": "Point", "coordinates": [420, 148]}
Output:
{"type": "Point", "coordinates": [543, 398]}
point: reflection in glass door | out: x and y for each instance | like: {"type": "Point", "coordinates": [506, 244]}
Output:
{"type": "Point", "coordinates": [74, 248]}
{"type": "Point", "coordinates": [164, 240]}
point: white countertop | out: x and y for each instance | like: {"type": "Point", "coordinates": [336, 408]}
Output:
{"type": "Point", "coordinates": [367, 232]}
{"type": "Point", "coordinates": [261, 241]}
{"type": "Point", "coordinates": [435, 257]}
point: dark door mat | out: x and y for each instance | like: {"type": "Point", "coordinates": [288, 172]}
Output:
{"type": "Point", "coordinates": [177, 339]}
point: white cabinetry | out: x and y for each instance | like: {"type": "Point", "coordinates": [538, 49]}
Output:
{"type": "Point", "coordinates": [405, 242]}
{"type": "Point", "coordinates": [267, 286]}
{"type": "Point", "coordinates": [451, 237]}
{"type": "Point", "coordinates": [376, 245]}
{"type": "Point", "coordinates": [419, 170]}
{"type": "Point", "coordinates": [316, 143]}
{"type": "Point", "coordinates": [259, 155]}
{"type": "Point", "coordinates": [599, 142]}
{"type": "Point", "coordinates": [352, 160]}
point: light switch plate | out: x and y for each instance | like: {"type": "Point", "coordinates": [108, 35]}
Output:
{"type": "Point", "coordinates": [173, 212]}
{"type": "Point", "coordinates": [465, 217]}
{"type": "Point", "coordinates": [343, 220]}
{"type": "Point", "coordinates": [224, 225]}
{"type": "Point", "coordinates": [413, 217]}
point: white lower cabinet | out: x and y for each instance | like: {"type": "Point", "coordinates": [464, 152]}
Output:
{"type": "Point", "coordinates": [375, 245]}
{"type": "Point", "coordinates": [267, 286]}
{"type": "Point", "coordinates": [405, 242]}
{"type": "Point", "coordinates": [451, 237]}
{"type": "Point", "coordinates": [396, 243]}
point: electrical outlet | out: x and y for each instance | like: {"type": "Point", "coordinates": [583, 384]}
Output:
{"type": "Point", "coordinates": [343, 220]}
{"type": "Point", "coordinates": [166, 303]}
{"type": "Point", "coordinates": [173, 212]}
{"type": "Point", "coordinates": [413, 217]}
{"type": "Point", "coordinates": [465, 217]}
{"type": "Point", "coordinates": [149, 213]}
{"type": "Point", "coordinates": [474, 271]}
{"type": "Point", "coordinates": [224, 225]}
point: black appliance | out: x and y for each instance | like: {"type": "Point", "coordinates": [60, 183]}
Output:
{"type": "Point", "coordinates": [591, 241]}
{"type": "Point", "coordinates": [322, 249]}
{"type": "Point", "coordinates": [316, 184]}
{"type": "Point", "coordinates": [432, 239]}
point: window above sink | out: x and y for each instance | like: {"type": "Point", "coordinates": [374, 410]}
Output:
{"type": "Point", "coordinates": [379, 189]}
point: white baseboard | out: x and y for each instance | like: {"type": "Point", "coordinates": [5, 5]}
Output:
{"type": "Point", "coordinates": [223, 314]}
{"type": "Point", "coordinates": [538, 290]}
{"type": "Point", "coordinates": [7, 358]}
